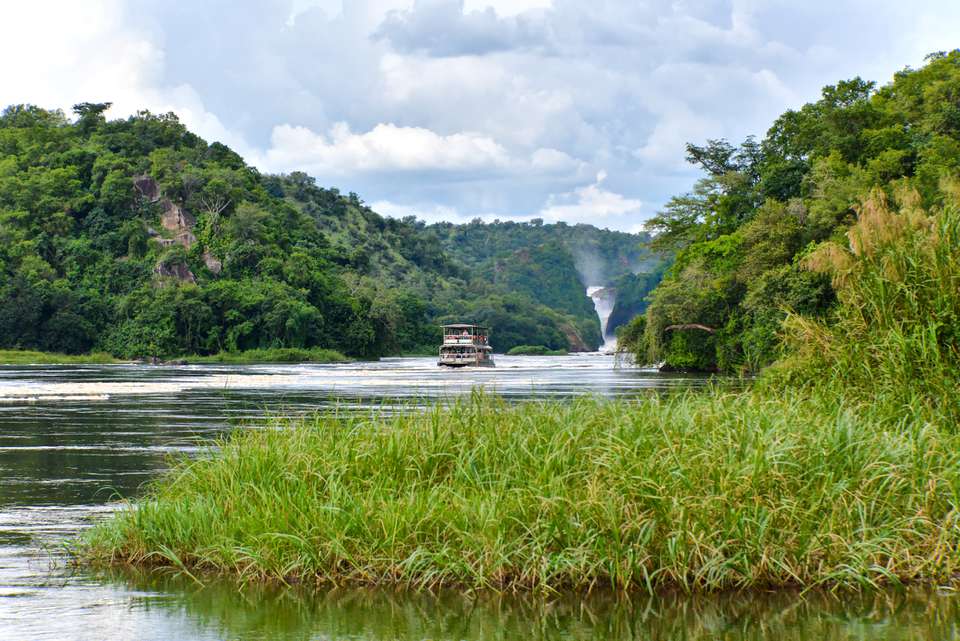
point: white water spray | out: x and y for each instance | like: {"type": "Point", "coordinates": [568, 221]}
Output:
{"type": "Point", "coordinates": [603, 301]}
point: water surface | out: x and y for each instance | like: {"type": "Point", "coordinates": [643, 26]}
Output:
{"type": "Point", "coordinates": [73, 438]}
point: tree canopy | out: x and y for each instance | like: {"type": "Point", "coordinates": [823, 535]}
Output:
{"type": "Point", "coordinates": [741, 233]}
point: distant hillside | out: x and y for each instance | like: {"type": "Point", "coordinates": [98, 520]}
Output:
{"type": "Point", "coordinates": [136, 237]}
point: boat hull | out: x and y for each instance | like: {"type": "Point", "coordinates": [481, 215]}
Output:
{"type": "Point", "coordinates": [458, 365]}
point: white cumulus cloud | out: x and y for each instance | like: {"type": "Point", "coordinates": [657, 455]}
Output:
{"type": "Point", "coordinates": [391, 148]}
{"type": "Point", "coordinates": [595, 205]}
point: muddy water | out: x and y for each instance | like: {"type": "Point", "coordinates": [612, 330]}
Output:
{"type": "Point", "coordinates": [74, 438]}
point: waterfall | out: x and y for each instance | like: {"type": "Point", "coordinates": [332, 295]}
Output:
{"type": "Point", "coordinates": [603, 300]}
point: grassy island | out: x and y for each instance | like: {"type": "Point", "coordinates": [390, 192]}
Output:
{"type": "Point", "coordinates": [535, 350]}
{"type": "Point", "coordinates": [693, 491]}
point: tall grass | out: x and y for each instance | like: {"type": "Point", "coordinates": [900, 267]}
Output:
{"type": "Point", "coordinates": [842, 467]}
{"type": "Point", "coordinates": [696, 492]}
{"type": "Point", "coordinates": [894, 340]}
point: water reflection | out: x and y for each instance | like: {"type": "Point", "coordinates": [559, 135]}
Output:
{"type": "Point", "coordinates": [259, 612]}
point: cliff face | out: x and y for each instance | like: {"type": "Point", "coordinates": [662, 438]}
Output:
{"type": "Point", "coordinates": [577, 344]}
{"type": "Point", "coordinates": [179, 224]}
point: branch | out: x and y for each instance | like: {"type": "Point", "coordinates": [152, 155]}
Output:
{"type": "Point", "coordinates": [214, 205]}
{"type": "Point", "coordinates": [670, 328]}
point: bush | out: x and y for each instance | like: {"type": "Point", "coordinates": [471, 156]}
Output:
{"type": "Point", "coordinates": [535, 350]}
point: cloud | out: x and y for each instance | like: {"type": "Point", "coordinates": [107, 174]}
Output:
{"type": "Point", "coordinates": [389, 148]}
{"type": "Point", "coordinates": [96, 52]}
{"type": "Point", "coordinates": [506, 7]}
{"type": "Point", "coordinates": [385, 147]}
{"type": "Point", "coordinates": [595, 205]}
{"type": "Point", "coordinates": [443, 28]}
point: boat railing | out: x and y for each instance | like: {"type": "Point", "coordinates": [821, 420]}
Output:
{"type": "Point", "coordinates": [463, 340]}
{"type": "Point", "coordinates": [458, 357]}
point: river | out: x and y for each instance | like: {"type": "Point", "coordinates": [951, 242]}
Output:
{"type": "Point", "coordinates": [75, 438]}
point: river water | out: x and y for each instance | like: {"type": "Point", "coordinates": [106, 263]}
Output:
{"type": "Point", "coordinates": [75, 438]}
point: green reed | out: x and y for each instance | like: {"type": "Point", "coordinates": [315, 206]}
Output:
{"type": "Point", "coordinates": [893, 343]}
{"type": "Point", "coordinates": [840, 467]}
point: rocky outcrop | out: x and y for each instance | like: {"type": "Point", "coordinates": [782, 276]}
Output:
{"type": "Point", "coordinates": [179, 224]}
{"type": "Point", "coordinates": [212, 262]}
{"type": "Point", "coordinates": [147, 188]}
{"type": "Point", "coordinates": [174, 269]}
{"type": "Point", "coordinates": [177, 220]}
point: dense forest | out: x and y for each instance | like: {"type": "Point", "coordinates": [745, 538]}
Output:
{"type": "Point", "coordinates": [744, 237]}
{"type": "Point", "coordinates": [136, 237]}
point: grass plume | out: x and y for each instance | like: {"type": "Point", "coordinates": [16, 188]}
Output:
{"type": "Point", "coordinates": [893, 341]}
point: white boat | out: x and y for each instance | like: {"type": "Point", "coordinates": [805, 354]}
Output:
{"type": "Point", "coordinates": [466, 346]}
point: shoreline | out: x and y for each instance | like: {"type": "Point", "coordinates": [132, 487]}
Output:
{"type": "Point", "coordinates": [251, 357]}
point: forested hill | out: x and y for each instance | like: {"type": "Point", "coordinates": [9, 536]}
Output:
{"type": "Point", "coordinates": [745, 233]}
{"type": "Point", "coordinates": [136, 237]}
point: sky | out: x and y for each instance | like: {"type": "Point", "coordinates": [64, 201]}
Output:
{"type": "Point", "coordinates": [455, 109]}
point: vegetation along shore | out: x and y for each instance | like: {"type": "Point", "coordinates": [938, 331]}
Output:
{"type": "Point", "coordinates": [30, 357]}
{"type": "Point", "coordinates": [135, 237]}
{"type": "Point", "coordinates": [275, 355]}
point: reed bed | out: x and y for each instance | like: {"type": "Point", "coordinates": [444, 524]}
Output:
{"type": "Point", "coordinates": [698, 492]}
{"type": "Point", "coordinates": [893, 342]}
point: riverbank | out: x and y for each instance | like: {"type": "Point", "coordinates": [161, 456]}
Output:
{"type": "Point", "coordinates": [29, 357]}
{"type": "Point", "coordinates": [697, 492]}
{"type": "Point", "coordinates": [249, 357]}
